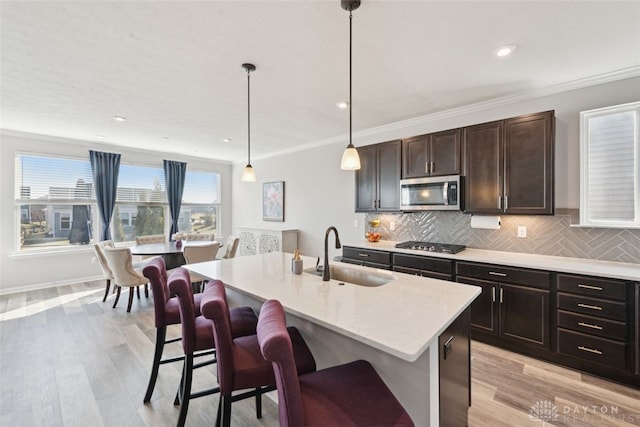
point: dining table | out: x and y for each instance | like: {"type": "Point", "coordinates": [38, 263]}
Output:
{"type": "Point", "coordinates": [172, 252]}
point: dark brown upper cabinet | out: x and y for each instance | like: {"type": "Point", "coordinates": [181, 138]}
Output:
{"type": "Point", "coordinates": [508, 165]}
{"type": "Point", "coordinates": [435, 154]}
{"type": "Point", "coordinates": [378, 179]}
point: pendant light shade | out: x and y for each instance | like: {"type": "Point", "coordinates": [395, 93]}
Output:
{"type": "Point", "coordinates": [249, 174]}
{"type": "Point", "coordinates": [350, 157]}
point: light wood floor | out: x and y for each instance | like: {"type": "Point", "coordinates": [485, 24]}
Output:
{"type": "Point", "coordinates": [68, 359]}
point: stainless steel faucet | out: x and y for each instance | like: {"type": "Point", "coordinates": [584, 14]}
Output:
{"type": "Point", "coordinates": [326, 272]}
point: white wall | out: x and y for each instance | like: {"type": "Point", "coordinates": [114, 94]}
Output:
{"type": "Point", "coordinates": [30, 271]}
{"type": "Point", "coordinates": [319, 194]}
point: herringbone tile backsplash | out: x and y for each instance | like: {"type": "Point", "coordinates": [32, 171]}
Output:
{"type": "Point", "coordinates": [546, 235]}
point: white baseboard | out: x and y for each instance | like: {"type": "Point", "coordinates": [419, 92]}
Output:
{"type": "Point", "coordinates": [35, 287]}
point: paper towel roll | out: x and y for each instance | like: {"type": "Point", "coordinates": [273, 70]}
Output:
{"type": "Point", "coordinates": [489, 222]}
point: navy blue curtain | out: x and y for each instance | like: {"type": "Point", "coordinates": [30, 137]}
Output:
{"type": "Point", "coordinates": [174, 175]}
{"type": "Point", "coordinates": [105, 168]}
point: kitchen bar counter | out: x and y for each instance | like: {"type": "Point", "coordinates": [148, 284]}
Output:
{"type": "Point", "coordinates": [395, 326]}
{"type": "Point", "coordinates": [590, 267]}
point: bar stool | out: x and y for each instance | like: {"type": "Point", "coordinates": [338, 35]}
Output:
{"type": "Point", "coordinates": [240, 363]}
{"type": "Point", "coordinates": [346, 395]}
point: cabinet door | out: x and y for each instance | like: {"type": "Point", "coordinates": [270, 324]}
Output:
{"type": "Point", "coordinates": [483, 167]}
{"type": "Point", "coordinates": [389, 176]}
{"type": "Point", "coordinates": [444, 153]}
{"type": "Point", "coordinates": [484, 316]}
{"type": "Point", "coordinates": [415, 161]}
{"type": "Point", "coordinates": [366, 178]}
{"type": "Point", "coordinates": [524, 315]}
{"type": "Point", "coordinates": [454, 372]}
{"type": "Point", "coordinates": [529, 164]}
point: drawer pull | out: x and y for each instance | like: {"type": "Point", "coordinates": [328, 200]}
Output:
{"type": "Point", "coordinates": [493, 273]}
{"type": "Point", "coordinates": [589, 325]}
{"type": "Point", "coordinates": [363, 254]}
{"type": "Point", "coordinates": [493, 294]}
{"type": "Point", "coordinates": [589, 306]}
{"type": "Point", "coordinates": [501, 295]}
{"type": "Point", "coordinates": [590, 350]}
{"type": "Point", "coordinates": [595, 288]}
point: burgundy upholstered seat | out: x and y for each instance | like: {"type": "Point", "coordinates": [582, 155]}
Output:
{"type": "Point", "coordinates": [240, 363]}
{"type": "Point", "coordinates": [347, 395]}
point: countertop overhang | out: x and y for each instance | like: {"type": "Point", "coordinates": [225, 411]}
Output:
{"type": "Point", "coordinates": [590, 267]}
{"type": "Point", "coordinates": [403, 317]}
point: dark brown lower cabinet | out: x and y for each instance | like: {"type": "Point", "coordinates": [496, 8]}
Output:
{"type": "Point", "coordinates": [514, 304]}
{"type": "Point", "coordinates": [455, 372]}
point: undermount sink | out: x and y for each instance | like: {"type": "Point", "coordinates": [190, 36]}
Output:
{"type": "Point", "coordinates": [354, 276]}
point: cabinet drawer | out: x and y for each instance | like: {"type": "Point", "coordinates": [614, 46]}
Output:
{"type": "Point", "coordinates": [422, 273]}
{"type": "Point", "coordinates": [436, 265]}
{"type": "Point", "coordinates": [593, 306]}
{"type": "Point", "coordinates": [598, 350]}
{"type": "Point", "coordinates": [533, 278]}
{"type": "Point", "coordinates": [592, 286]}
{"type": "Point", "coordinates": [592, 325]}
{"type": "Point", "coordinates": [367, 255]}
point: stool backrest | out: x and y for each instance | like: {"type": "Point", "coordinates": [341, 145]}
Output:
{"type": "Point", "coordinates": [275, 345]}
{"type": "Point", "coordinates": [214, 307]}
{"type": "Point", "coordinates": [180, 284]}
{"type": "Point", "coordinates": [156, 271]}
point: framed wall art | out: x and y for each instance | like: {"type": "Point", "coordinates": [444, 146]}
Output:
{"type": "Point", "coordinates": [273, 201]}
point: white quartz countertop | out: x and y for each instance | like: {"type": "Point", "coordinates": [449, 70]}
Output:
{"type": "Point", "coordinates": [402, 317]}
{"type": "Point", "coordinates": [614, 270]}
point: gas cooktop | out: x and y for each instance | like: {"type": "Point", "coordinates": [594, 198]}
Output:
{"type": "Point", "coordinates": [431, 247]}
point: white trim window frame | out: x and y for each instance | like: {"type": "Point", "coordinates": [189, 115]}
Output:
{"type": "Point", "coordinates": [609, 162]}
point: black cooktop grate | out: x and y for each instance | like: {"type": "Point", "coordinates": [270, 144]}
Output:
{"type": "Point", "coordinates": [431, 247]}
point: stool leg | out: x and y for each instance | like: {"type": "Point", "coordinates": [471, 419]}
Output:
{"type": "Point", "coordinates": [258, 403]}
{"type": "Point", "coordinates": [226, 411]}
{"type": "Point", "coordinates": [117, 296]}
{"type": "Point", "coordinates": [186, 389]}
{"type": "Point", "coordinates": [146, 290]}
{"type": "Point", "coordinates": [161, 334]}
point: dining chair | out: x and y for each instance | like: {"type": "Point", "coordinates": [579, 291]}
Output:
{"type": "Point", "coordinates": [107, 274]}
{"type": "Point", "coordinates": [197, 335]}
{"type": "Point", "coordinates": [191, 237]}
{"type": "Point", "coordinates": [154, 238]}
{"type": "Point", "coordinates": [231, 247]}
{"type": "Point", "coordinates": [352, 394]}
{"type": "Point", "coordinates": [200, 253]}
{"type": "Point", "coordinates": [120, 262]}
{"type": "Point", "coordinates": [240, 364]}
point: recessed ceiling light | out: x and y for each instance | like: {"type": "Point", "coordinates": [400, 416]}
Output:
{"type": "Point", "coordinates": [226, 139]}
{"type": "Point", "coordinates": [194, 151]}
{"type": "Point", "coordinates": [101, 136]}
{"type": "Point", "coordinates": [505, 50]}
{"type": "Point", "coordinates": [342, 105]}
{"type": "Point", "coordinates": [119, 119]}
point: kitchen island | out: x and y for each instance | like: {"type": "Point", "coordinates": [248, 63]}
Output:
{"type": "Point", "coordinates": [395, 326]}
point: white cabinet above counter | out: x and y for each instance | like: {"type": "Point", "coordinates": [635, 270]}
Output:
{"type": "Point", "coordinates": [610, 269]}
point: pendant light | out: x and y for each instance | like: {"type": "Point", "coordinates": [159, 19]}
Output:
{"type": "Point", "coordinates": [248, 174]}
{"type": "Point", "coordinates": [350, 158]}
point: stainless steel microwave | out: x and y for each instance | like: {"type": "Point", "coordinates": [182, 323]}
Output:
{"type": "Point", "coordinates": [439, 193]}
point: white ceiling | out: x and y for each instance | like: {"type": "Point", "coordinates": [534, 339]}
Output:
{"type": "Point", "coordinates": [173, 68]}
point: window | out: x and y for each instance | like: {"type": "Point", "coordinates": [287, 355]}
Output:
{"type": "Point", "coordinates": [200, 203]}
{"type": "Point", "coordinates": [56, 203]}
{"type": "Point", "coordinates": [55, 200]}
{"type": "Point", "coordinates": [609, 161]}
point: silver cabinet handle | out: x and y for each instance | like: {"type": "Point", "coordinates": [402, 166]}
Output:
{"type": "Point", "coordinates": [493, 294]}
{"type": "Point", "coordinates": [493, 273]}
{"type": "Point", "coordinates": [506, 202]}
{"type": "Point", "coordinates": [595, 288]}
{"type": "Point", "coordinates": [501, 295]}
{"type": "Point", "coordinates": [426, 167]}
{"type": "Point", "coordinates": [589, 325]}
{"type": "Point", "coordinates": [499, 202]}
{"type": "Point", "coordinates": [363, 254]}
{"type": "Point", "coordinates": [591, 307]}
{"type": "Point", "coordinates": [590, 350]}
{"type": "Point", "coordinates": [432, 168]}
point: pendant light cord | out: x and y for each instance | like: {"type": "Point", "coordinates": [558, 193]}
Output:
{"type": "Point", "coordinates": [248, 118]}
{"type": "Point", "coordinates": [350, 101]}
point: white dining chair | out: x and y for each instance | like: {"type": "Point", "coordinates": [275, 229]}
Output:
{"type": "Point", "coordinates": [200, 253]}
{"type": "Point", "coordinates": [120, 262]}
{"type": "Point", "coordinates": [107, 274]}
{"type": "Point", "coordinates": [231, 247]}
{"type": "Point", "coordinates": [192, 237]}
